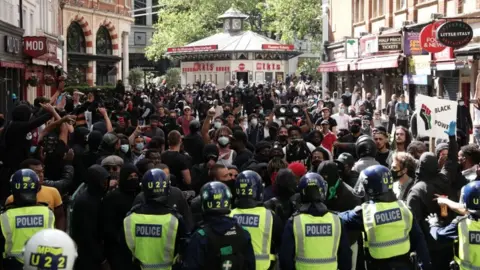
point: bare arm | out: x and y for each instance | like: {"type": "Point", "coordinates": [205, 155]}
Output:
{"type": "Point", "coordinates": [108, 123]}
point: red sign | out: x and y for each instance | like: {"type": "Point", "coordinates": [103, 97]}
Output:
{"type": "Point", "coordinates": [446, 54]}
{"type": "Point", "coordinates": [241, 66]}
{"type": "Point", "coordinates": [278, 47]}
{"type": "Point", "coordinates": [205, 67]}
{"type": "Point", "coordinates": [193, 49]}
{"type": "Point", "coordinates": [428, 38]}
{"type": "Point", "coordinates": [35, 46]}
{"type": "Point", "coordinates": [268, 66]}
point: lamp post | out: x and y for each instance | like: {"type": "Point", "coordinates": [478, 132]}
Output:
{"type": "Point", "coordinates": [325, 30]}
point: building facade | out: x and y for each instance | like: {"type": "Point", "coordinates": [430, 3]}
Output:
{"type": "Point", "coordinates": [380, 52]}
{"type": "Point", "coordinates": [11, 56]}
{"type": "Point", "coordinates": [96, 40]}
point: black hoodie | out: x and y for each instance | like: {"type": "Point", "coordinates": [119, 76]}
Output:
{"type": "Point", "coordinates": [116, 205]}
{"type": "Point", "coordinates": [86, 226]}
{"type": "Point", "coordinates": [192, 143]}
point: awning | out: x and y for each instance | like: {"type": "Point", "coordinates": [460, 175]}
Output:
{"type": "Point", "coordinates": [335, 66]}
{"type": "Point", "coordinates": [470, 49]}
{"type": "Point", "coordinates": [378, 62]}
{"type": "Point", "coordinates": [449, 64]}
{"type": "Point", "coordinates": [6, 64]}
{"type": "Point", "coordinates": [46, 60]}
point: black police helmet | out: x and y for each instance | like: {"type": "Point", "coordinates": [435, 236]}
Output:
{"type": "Point", "coordinates": [25, 185]}
{"type": "Point", "coordinates": [365, 147]}
{"type": "Point", "coordinates": [248, 185]}
{"type": "Point", "coordinates": [216, 198]}
{"type": "Point", "coordinates": [156, 185]}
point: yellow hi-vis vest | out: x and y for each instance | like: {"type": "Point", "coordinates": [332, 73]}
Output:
{"type": "Point", "coordinates": [19, 224]}
{"type": "Point", "coordinates": [258, 222]}
{"type": "Point", "coordinates": [151, 239]}
{"type": "Point", "coordinates": [468, 244]}
{"type": "Point", "coordinates": [387, 226]}
{"type": "Point", "coordinates": [316, 241]}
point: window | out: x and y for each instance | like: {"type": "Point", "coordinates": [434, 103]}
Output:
{"type": "Point", "coordinates": [377, 8]}
{"type": "Point", "coordinates": [32, 25]}
{"type": "Point", "coordinates": [155, 11]}
{"type": "Point", "coordinates": [400, 4]}
{"type": "Point", "coordinates": [359, 10]}
{"type": "Point", "coordinates": [103, 41]}
{"type": "Point", "coordinates": [75, 38]}
{"type": "Point", "coordinates": [140, 4]}
{"type": "Point", "coordinates": [24, 22]}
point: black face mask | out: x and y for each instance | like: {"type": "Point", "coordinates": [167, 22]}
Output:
{"type": "Point", "coordinates": [354, 129]}
{"type": "Point", "coordinates": [282, 138]}
{"type": "Point", "coordinates": [132, 184]}
{"type": "Point", "coordinates": [396, 174]}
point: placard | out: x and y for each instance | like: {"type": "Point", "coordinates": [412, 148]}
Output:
{"type": "Point", "coordinates": [434, 116]}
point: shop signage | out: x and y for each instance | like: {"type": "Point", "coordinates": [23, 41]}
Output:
{"type": "Point", "coordinates": [444, 55]}
{"type": "Point", "coordinates": [419, 65]}
{"type": "Point", "coordinates": [415, 79]}
{"type": "Point", "coordinates": [455, 34]}
{"type": "Point", "coordinates": [351, 48]}
{"type": "Point", "coordinates": [428, 38]}
{"type": "Point", "coordinates": [193, 49]}
{"type": "Point", "coordinates": [268, 66]}
{"type": "Point", "coordinates": [12, 45]}
{"type": "Point", "coordinates": [278, 47]}
{"type": "Point", "coordinates": [37, 46]}
{"type": "Point", "coordinates": [368, 45]}
{"type": "Point", "coordinates": [411, 44]}
{"type": "Point", "coordinates": [389, 43]}
{"type": "Point", "coordinates": [205, 67]}
{"type": "Point", "coordinates": [241, 66]}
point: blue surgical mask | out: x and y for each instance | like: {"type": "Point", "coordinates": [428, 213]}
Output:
{"type": "Point", "coordinates": [33, 148]}
{"type": "Point", "coordinates": [223, 141]}
{"type": "Point", "coordinates": [124, 148]}
{"type": "Point", "coordinates": [217, 125]}
{"type": "Point", "coordinates": [139, 146]}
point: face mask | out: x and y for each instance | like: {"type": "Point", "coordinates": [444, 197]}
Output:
{"type": "Point", "coordinates": [217, 125]}
{"type": "Point", "coordinates": [131, 184]}
{"type": "Point", "coordinates": [461, 103]}
{"type": "Point", "coordinates": [124, 148]}
{"type": "Point", "coordinates": [396, 174]}
{"type": "Point", "coordinates": [315, 163]}
{"type": "Point", "coordinates": [33, 148]}
{"type": "Point", "coordinates": [223, 141]}
{"type": "Point", "coordinates": [254, 122]}
{"type": "Point", "coordinates": [342, 111]}
{"type": "Point", "coordinates": [282, 138]}
{"type": "Point", "coordinates": [352, 114]}
{"type": "Point", "coordinates": [355, 129]}
{"type": "Point", "coordinates": [369, 98]}
{"type": "Point", "coordinates": [139, 146]}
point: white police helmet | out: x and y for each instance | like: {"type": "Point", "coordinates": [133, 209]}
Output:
{"type": "Point", "coordinates": [49, 249]}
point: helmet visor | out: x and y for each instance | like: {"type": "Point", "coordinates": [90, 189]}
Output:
{"type": "Point", "coordinates": [359, 189]}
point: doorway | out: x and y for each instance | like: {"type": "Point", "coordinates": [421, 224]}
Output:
{"type": "Point", "coordinates": [242, 76]}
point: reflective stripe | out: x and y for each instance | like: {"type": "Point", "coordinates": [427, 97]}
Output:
{"type": "Point", "coordinates": [128, 233]}
{"type": "Point", "coordinates": [465, 246]}
{"type": "Point", "coordinates": [169, 244]}
{"type": "Point", "coordinates": [301, 248]}
{"type": "Point", "coordinates": [157, 265]}
{"type": "Point", "coordinates": [8, 234]}
{"type": "Point", "coordinates": [266, 236]}
{"type": "Point", "coordinates": [468, 265]}
{"type": "Point", "coordinates": [369, 222]}
{"type": "Point", "coordinates": [51, 218]}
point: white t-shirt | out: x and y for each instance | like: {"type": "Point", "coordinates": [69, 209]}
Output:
{"type": "Point", "coordinates": [342, 120]}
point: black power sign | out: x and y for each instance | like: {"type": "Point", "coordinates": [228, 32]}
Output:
{"type": "Point", "coordinates": [454, 34]}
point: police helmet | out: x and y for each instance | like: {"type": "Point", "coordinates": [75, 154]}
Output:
{"type": "Point", "coordinates": [374, 181]}
{"type": "Point", "coordinates": [365, 147]}
{"type": "Point", "coordinates": [248, 184]}
{"type": "Point", "coordinates": [156, 185]}
{"type": "Point", "coordinates": [25, 185]}
{"type": "Point", "coordinates": [471, 196]}
{"type": "Point", "coordinates": [312, 188]}
{"type": "Point", "coordinates": [49, 249]}
{"type": "Point", "coordinates": [216, 198]}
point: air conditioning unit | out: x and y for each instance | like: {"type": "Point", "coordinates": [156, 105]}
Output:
{"type": "Point", "coordinates": [405, 23]}
{"type": "Point", "coordinates": [362, 34]}
{"type": "Point", "coordinates": [434, 16]}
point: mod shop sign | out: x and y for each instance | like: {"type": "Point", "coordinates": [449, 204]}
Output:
{"type": "Point", "coordinates": [37, 46]}
{"type": "Point", "coordinates": [434, 116]}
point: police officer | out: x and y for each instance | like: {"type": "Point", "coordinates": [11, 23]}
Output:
{"type": "Point", "coordinates": [220, 243]}
{"type": "Point", "coordinates": [464, 229]}
{"type": "Point", "coordinates": [262, 224]}
{"type": "Point", "coordinates": [389, 226]}
{"type": "Point", "coordinates": [314, 238]}
{"type": "Point", "coordinates": [153, 231]}
{"type": "Point", "coordinates": [50, 249]}
{"type": "Point", "coordinates": [23, 218]}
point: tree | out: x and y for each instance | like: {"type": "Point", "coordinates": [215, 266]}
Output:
{"type": "Point", "coordinates": [172, 77]}
{"type": "Point", "coordinates": [135, 76]}
{"type": "Point", "coordinates": [309, 66]}
{"type": "Point", "coordinates": [184, 21]}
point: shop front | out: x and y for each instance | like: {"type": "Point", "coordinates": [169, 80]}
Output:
{"type": "Point", "coordinates": [11, 66]}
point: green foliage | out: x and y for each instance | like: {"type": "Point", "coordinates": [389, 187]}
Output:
{"type": "Point", "coordinates": [184, 21]}
{"type": "Point", "coordinates": [172, 77]}
{"type": "Point", "coordinates": [309, 66]}
{"type": "Point", "coordinates": [75, 77]}
{"type": "Point", "coordinates": [135, 76]}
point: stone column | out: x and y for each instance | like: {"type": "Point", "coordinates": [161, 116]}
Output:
{"type": "Point", "coordinates": [125, 66]}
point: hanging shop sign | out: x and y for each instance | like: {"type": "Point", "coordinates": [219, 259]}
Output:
{"type": "Point", "coordinates": [455, 34]}
{"type": "Point", "coordinates": [351, 48]}
{"type": "Point", "coordinates": [278, 47]}
{"type": "Point", "coordinates": [411, 44]}
{"type": "Point", "coordinates": [389, 43]}
{"type": "Point", "coordinates": [193, 49]}
{"type": "Point", "coordinates": [428, 38]}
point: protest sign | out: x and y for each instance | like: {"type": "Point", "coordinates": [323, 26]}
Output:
{"type": "Point", "coordinates": [434, 116]}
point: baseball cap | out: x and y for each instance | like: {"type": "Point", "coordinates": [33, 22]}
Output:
{"type": "Point", "coordinates": [325, 122]}
{"type": "Point", "coordinates": [346, 159]}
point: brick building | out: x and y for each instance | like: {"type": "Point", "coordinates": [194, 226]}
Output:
{"type": "Point", "coordinates": [378, 50]}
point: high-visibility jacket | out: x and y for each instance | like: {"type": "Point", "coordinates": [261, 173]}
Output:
{"type": "Point", "coordinates": [468, 244]}
{"type": "Point", "coordinates": [151, 239]}
{"type": "Point", "coordinates": [387, 226]}
{"type": "Point", "coordinates": [316, 241]}
{"type": "Point", "coordinates": [19, 224]}
{"type": "Point", "coordinates": [258, 222]}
